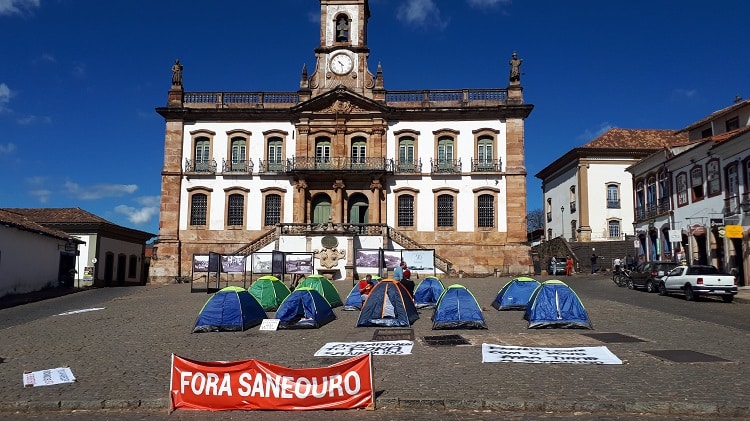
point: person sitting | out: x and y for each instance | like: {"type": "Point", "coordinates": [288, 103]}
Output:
{"type": "Point", "coordinates": [365, 286]}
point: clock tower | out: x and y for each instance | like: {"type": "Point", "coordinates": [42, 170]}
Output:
{"type": "Point", "coordinates": [342, 53]}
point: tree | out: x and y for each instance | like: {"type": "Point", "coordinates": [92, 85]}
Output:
{"type": "Point", "coordinates": [534, 220]}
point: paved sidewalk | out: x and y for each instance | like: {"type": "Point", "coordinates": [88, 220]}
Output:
{"type": "Point", "coordinates": [120, 357]}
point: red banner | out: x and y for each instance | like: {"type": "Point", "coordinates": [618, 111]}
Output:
{"type": "Point", "coordinates": [254, 384]}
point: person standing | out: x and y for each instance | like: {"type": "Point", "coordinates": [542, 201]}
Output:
{"type": "Point", "coordinates": [554, 265]}
{"type": "Point", "coordinates": [569, 266]}
{"type": "Point", "coordinates": [398, 273]}
{"type": "Point", "coordinates": [593, 263]}
{"type": "Point", "coordinates": [617, 264]}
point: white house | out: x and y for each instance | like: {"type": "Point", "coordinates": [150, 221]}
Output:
{"type": "Point", "coordinates": [587, 193]}
{"type": "Point", "coordinates": [33, 257]}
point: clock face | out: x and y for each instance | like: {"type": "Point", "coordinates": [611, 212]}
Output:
{"type": "Point", "coordinates": [341, 64]}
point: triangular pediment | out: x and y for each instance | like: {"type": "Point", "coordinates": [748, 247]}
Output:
{"type": "Point", "coordinates": [340, 101]}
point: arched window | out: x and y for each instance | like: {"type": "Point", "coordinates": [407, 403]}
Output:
{"type": "Point", "coordinates": [405, 210]}
{"type": "Point", "coordinates": [202, 154]}
{"type": "Point", "coordinates": [485, 154]}
{"type": "Point", "coordinates": [359, 150]}
{"type": "Point", "coordinates": [275, 155]}
{"type": "Point", "coordinates": [239, 154]}
{"type": "Point", "coordinates": [486, 211]}
{"type": "Point", "coordinates": [198, 209]}
{"type": "Point", "coordinates": [132, 266]}
{"type": "Point", "coordinates": [613, 196]}
{"type": "Point", "coordinates": [682, 189]}
{"type": "Point", "coordinates": [445, 154]}
{"type": "Point", "coordinates": [323, 152]}
{"type": "Point", "coordinates": [651, 194]}
{"type": "Point", "coordinates": [714, 177]}
{"type": "Point", "coordinates": [272, 209]}
{"type": "Point", "coordinates": [696, 183]}
{"type": "Point", "coordinates": [236, 210]}
{"type": "Point", "coordinates": [445, 211]}
{"type": "Point", "coordinates": [614, 228]}
{"type": "Point", "coordinates": [406, 155]}
{"type": "Point", "coordinates": [342, 28]}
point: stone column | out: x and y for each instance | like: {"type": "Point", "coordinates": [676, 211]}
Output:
{"type": "Point", "coordinates": [166, 262]}
{"type": "Point", "coordinates": [300, 212]}
{"type": "Point", "coordinates": [376, 187]}
{"type": "Point", "coordinates": [338, 201]}
{"type": "Point", "coordinates": [583, 206]}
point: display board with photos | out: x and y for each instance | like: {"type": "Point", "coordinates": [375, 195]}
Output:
{"type": "Point", "coordinates": [298, 263]}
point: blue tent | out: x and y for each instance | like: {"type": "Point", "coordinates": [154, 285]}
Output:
{"type": "Point", "coordinates": [353, 300]}
{"type": "Point", "coordinates": [427, 292]}
{"type": "Point", "coordinates": [555, 304]}
{"type": "Point", "coordinates": [389, 304]}
{"type": "Point", "coordinates": [229, 309]}
{"type": "Point", "coordinates": [515, 294]}
{"type": "Point", "coordinates": [304, 308]}
{"type": "Point", "coordinates": [457, 309]}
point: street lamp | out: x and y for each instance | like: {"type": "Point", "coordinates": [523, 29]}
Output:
{"type": "Point", "coordinates": [562, 220]}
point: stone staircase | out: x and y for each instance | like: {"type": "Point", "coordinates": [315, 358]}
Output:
{"type": "Point", "coordinates": [581, 252]}
{"type": "Point", "coordinates": [346, 229]}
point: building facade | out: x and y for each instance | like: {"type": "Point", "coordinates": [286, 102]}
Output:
{"type": "Point", "coordinates": [344, 157]}
{"type": "Point", "coordinates": [587, 194]}
{"type": "Point", "coordinates": [108, 254]}
{"type": "Point", "coordinates": [692, 201]}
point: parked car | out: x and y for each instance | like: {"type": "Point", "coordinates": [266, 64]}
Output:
{"type": "Point", "coordinates": [697, 280]}
{"type": "Point", "coordinates": [558, 268]}
{"type": "Point", "coordinates": [648, 274]}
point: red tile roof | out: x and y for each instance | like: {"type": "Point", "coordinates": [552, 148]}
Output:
{"type": "Point", "coordinates": [21, 222]}
{"type": "Point", "coordinates": [59, 215]}
{"type": "Point", "coordinates": [637, 139]}
{"type": "Point", "coordinates": [716, 114]}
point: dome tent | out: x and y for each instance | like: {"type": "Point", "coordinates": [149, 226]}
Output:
{"type": "Point", "coordinates": [230, 309]}
{"type": "Point", "coordinates": [554, 304]}
{"type": "Point", "coordinates": [269, 291]}
{"type": "Point", "coordinates": [515, 294]}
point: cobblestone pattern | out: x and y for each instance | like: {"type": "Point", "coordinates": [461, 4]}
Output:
{"type": "Point", "coordinates": [121, 358]}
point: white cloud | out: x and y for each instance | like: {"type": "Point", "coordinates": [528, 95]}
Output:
{"type": "Point", "coordinates": [7, 148]}
{"type": "Point", "coordinates": [37, 180]}
{"type": "Point", "coordinates": [33, 119]}
{"type": "Point", "coordinates": [591, 134]}
{"type": "Point", "coordinates": [484, 4]}
{"type": "Point", "coordinates": [98, 191]}
{"type": "Point", "coordinates": [79, 71]}
{"type": "Point", "coordinates": [687, 93]}
{"type": "Point", "coordinates": [149, 200]}
{"type": "Point", "coordinates": [17, 7]}
{"type": "Point", "coordinates": [138, 216]}
{"type": "Point", "coordinates": [422, 13]}
{"type": "Point", "coordinates": [5, 94]}
{"type": "Point", "coordinates": [41, 195]}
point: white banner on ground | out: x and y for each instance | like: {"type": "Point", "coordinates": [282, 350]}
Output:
{"type": "Point", "coordinates": [85, 310]}
{"type": "Point", "coordinates": [351, 349]}
{"type": "Point", "coordinates": [48, 377]}
{"type": "Point", "coordinates": [525, 354]}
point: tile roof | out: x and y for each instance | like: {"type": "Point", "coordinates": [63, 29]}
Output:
{"type": "Point", "coordinates": [59, 215]}
{"type": "Point", "coordinates": [637, 139]}
{"type": "Point", "coordinates": [716, 114]}
{"type": "Point", "coordinates": [21, 222]}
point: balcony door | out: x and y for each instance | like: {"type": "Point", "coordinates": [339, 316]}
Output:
{"type": "Point", "coordinates": [358, 206]}
{"type": "Point", "coordinates": [321, 209]}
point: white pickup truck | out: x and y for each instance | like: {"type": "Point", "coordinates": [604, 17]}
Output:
{"type": "Point", "coordinates": [696, 280]}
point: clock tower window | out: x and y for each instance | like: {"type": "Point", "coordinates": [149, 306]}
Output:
{"type": "Point", "coordinates": [342, 28]}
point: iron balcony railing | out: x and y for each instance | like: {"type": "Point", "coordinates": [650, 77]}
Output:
{"type": "Point", "coordinates": [486, 165]}
{"type": "Point", "coordinates": [404, 166]}
{"type": "Point", "coordinates": [613, 204]}
{"type": "Point", "coordinates": [445, 166]}
{"type": "Point", "coordinates": [663, 205]}
{"type": "Point", "coordinates": [339, 163]}
{"type": "Point", "coordinates": [266, 166]}
{"type": "Point", "coordinates": [732, 205]}
{"type": "Point", "coordinates": [572, 207]}
{"type": "Point", "coordinates": [237, 166]}
{"type": "Point", "coordinates": [200, 166]}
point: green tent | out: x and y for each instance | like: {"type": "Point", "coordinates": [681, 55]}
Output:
{"type": "Point", "coordinates": [321, 284]}
{"type": "Point", "coordinates": [269, 291]}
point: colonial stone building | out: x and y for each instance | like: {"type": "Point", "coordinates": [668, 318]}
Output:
{"type": "Point", "coordinates": [343, 157]}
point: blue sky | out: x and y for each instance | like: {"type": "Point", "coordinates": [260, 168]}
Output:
{"type": "Point", "coordinates": [79, 79]}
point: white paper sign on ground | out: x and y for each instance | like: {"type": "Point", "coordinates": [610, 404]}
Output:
{"type": "Point", "coordinates": [351, 349]}
{"type": "Point", "coordinates": [48, 377]}
{"type": "Point", "coordinates": [85, 310]}
{"type": "Point", "coordinates": [270, 324]}
{"type": "Point", "coordinates": [526, 354]}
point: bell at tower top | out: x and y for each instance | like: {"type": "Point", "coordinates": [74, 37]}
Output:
{"type": "Point", "coordinates": [343, 23]}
